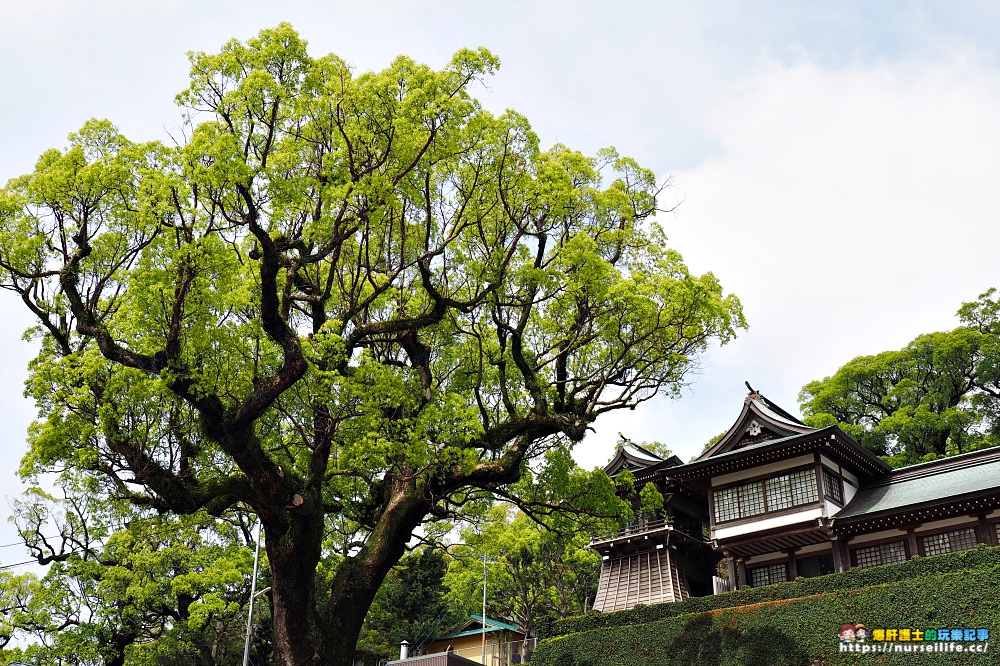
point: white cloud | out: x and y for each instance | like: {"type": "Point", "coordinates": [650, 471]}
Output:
{"type": "Point", "coordinates": [851, 209]}
{"type": "Point", "coordinates": [851, 200]}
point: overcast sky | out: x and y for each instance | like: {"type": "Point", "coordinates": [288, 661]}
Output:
{"type": "Point", "coordinates": [835, 164]}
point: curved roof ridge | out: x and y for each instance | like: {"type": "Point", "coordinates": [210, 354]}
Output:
{"type": "Point", "coordinates": [777, 413]}
{"type": "Point", "coordinates": [641, 452]}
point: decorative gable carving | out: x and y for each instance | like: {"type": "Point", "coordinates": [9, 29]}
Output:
{"type": "Point", "coordinates": [754, 435]}
{"type": "Point", "coordinates": [760, 421]}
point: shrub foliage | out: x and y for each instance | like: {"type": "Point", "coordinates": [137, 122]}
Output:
{"type": "Point", "coordinates": [792, 623]}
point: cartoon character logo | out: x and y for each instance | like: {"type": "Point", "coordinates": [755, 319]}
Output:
{"type": "Point", "coordinates": [860, 633]}
{"type": "Point", "coordinates": [847, 633]}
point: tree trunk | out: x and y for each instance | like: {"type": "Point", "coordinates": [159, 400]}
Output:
{"type": "Point", "coordinates": [358, 578]}
{"type": "Point", "coordinates": [304, 636]}
{"type": "Point", "coordinates": [293, 557]}
{"type": "Point", "coordinates": [353, 593]}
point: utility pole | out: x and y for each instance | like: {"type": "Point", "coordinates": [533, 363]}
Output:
{"type": "Point", "coordinates": [253, 595]}
{"type": "Point", "coordinates": [484, 609]}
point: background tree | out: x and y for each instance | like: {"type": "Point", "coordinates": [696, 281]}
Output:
{"type": "Point", "coordinates": [16, 592]}
{"type": "Point", "coordinates": [154, 591]}
{"type": "Point", "coordinates": [409, 606]}
{"type": "Point", "coordinates": [535, 573]}
{"type": "Point", "coordinates": [346, 304]}
{"type": "Point", "coordinates": [651, 502]}
{"type": "Point", "coordinates": [939, 395]}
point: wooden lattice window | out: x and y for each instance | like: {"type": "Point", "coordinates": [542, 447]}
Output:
{"type": "Point", "coordinates": [803, 487]}
{"type": "Point", "coordinates": [950, 542]}
{"type": "Point", "coordinates": [831, 487]}
{"type": "Point", "coordinates": [769, 575]}
{"type": "Point", "coordinates": [757, 497]}
{"type": "Point", "coordinates": [883, 553]}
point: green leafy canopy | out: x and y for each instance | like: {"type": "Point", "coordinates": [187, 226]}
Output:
{"type": "Point", "coordinates": [939, 395]}
{"type": "Point", "coordinates": [346, 303]}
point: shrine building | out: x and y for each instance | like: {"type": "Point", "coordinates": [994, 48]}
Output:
{"type": "Point", "coordinates": [775, 499]}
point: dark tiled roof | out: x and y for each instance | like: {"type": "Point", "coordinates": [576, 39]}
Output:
{"type": "Point", "coordinates": [776, 443]}
{"type": "Point", "coordinates": [831, 439]}
{"type": "Point", "coordinates": [926, 483]}
{"type": "Point", "coordinates": [776, 413]}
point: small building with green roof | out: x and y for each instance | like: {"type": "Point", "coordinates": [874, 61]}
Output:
{"type": "Point", "coordinates": [484, 641]}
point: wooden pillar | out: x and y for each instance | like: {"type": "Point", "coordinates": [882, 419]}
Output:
{"type": "Point", "coordinates": [741, 573]}
{"type": "Point", "coordinates": [793, 569]}
{"type": "Point", "coordinates": [985, 533]}
{"type": "Point", "coordinates": [911, 537]}
{"type": "Point", "coordinates": [841, 562]}
{"type": "Point", "coordinates": [711, 510]}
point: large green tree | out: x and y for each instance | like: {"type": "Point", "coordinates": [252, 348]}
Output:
{"type": "Point", "coordinates": [939, 395]}
{"type": "Point", "coordinates": [348, 304]}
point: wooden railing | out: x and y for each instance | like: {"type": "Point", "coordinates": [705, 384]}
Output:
{"type": "Point", "coordinates": [644, 526]}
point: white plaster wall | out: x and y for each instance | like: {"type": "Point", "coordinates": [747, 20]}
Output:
{"type": "Point", "coordinates": [813, 549]}
{"type": "Point", "coordinates": [850, 477]}
{"type": "Point", "coordinates": [963, 521]}
{"type": "Point", "coordinates": [829, 463]}
{"type": "Point", "coordinates": [767, 523]}
{"type": "Point", "coordinates": [773, 558]}
{"type": "Point", "coordinates": [766, 558]}
{"type": "Point", "coordinates": [875, 536]}
{"type": "Point", "coordinates": [849, 491]}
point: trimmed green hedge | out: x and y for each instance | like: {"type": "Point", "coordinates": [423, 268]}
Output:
{"type": "Point", "coordinates": [982, 557]}
{"type": "Point", "coordinates": [798, 632]}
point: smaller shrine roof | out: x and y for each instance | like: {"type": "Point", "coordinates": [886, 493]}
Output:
{"type": "Point", "coordinates": [633, 457]}
{"type": "Point", "coordinates": [474, 625]}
